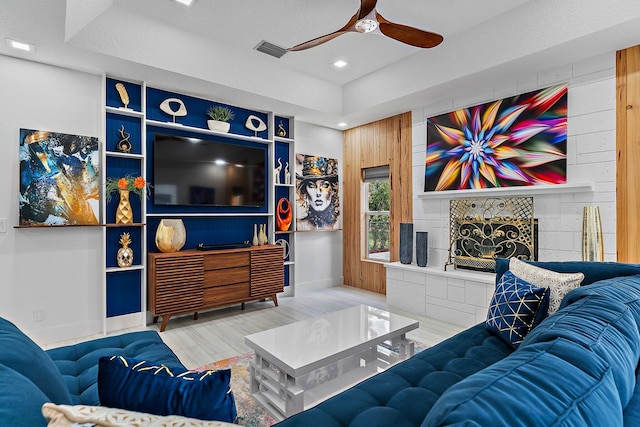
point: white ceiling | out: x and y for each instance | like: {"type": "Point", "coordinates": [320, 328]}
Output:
{"type": "Point", "coordinates": [208, 49]}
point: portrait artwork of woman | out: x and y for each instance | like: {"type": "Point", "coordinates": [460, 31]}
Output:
{"type": "Point", "coordinates": [317, 188]}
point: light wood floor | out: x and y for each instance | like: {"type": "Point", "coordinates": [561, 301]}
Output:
{"type": "Point", "coordinates": [219, 334]}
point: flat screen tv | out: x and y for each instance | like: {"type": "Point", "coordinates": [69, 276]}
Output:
{"type": "Point", "coordinates": [196, 172]}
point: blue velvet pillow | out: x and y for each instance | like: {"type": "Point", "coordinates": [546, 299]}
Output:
{"type": "Point", "coordinates": [516, 308]}
{"type": "Point", "coordinates": [142, 386]}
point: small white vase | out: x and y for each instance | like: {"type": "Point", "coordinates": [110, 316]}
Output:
{"type": "Point", "coordinates": [218, 126]}
{"type": "Point", "coordinates": [262, 237]}
{"type": "Point", "coordinates": [255, 235]}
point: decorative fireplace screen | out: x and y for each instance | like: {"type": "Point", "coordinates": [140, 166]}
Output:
{"type": "Point", "coordinates": [486, 228]}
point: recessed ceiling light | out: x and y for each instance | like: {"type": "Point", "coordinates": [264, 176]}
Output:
{"type": "Point", "coordinates": [343, 124]}
{"type": "Point", "coordinates": [340, 63]}
{"type": "Point", "coordinates": [185, 2]}
{"type": "Point", "coordinates": [15, 44]}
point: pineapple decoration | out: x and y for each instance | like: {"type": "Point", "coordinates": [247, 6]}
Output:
{"type": "Point", "coordinates": [125, 253]}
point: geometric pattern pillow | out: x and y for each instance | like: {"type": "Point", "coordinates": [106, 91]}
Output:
{"type": "Point", "coordinates": [516, 308]}
{"type": "Point", "coordinates": [559, 284]}
{"type": "Point", "coordinates": [142, 386]}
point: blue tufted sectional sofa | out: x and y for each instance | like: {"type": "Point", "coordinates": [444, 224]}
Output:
{"type": "Point", "coordinates": [29, 376]}
{"type": "Point", "coordinates": [578, 367]}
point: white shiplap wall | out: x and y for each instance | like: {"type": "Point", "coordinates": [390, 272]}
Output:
{"type": "Point", "coordinates": [590, 159]}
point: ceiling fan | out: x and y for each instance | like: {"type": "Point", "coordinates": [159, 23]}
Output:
{"type": "Point", "coordinates": [368, 20]}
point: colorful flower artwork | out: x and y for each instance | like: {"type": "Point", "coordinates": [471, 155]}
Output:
{"type": "Point", "coordinates": [59, 180]}
{"type": "Point", "coordinates": [515, 141]}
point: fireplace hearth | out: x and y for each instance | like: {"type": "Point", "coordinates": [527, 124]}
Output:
{"type": "Point", "coordinates": [483, 229]}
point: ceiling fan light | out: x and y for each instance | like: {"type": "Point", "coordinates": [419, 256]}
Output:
{"type": "Point", "coordinates": [366, 25]}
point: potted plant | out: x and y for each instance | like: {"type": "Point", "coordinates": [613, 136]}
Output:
{"type": "Point", "coordinates": [219, 118]}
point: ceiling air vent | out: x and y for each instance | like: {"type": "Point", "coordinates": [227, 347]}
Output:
{"type": "Point", "coordinates": [271, 49]}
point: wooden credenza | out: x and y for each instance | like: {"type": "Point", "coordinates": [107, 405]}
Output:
{"type": "Point", "coordinates": [192, 280]}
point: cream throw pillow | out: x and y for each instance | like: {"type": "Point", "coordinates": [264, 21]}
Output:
{"type": "Point", "coordinates": [101, 416]}
{"type": "Point", "coordinates": [559, 284]}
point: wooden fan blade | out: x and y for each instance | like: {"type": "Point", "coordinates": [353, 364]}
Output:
{"type": "Point", "coordinates": [408, 35]}
{"type": "Point", "coordinates": [317, 41]}
{"type": "Point", "coordinates": [366, 6]}
{"type": "Point", "coordinates": [348, 28]}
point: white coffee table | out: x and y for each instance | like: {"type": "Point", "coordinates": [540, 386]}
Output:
{"type": "Point", "coordinates": [298, 365]}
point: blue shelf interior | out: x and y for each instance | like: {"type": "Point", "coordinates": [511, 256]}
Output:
{"type": "Point", "coordinates": [118, 167]}
{"type": "Point", "coordinates": [209, 230]}
{"type": "Point", "coordinates": [131, 125]}
{"type": "Point", "coordinates": [113, 244]}
{"type": "Point", "coordinates": [197, 113]}
{"type": "Point", "coordinates": [286, 275]}
{"type": "Point", "coordinates": [282, 127]}
{"type": "Point", "coordinates": [124, 295]}
{"type": "Point", "coordinates": [133, 90]}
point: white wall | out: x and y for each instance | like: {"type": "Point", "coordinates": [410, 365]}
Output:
{"type": "Point", "coordinates": [318, 253]}
{"type": "Point", "coordinates": [57, 272]}
{"type": "Point", "coordinates": [54, 271]}
{"type": "Point", "coordinates": [591, 157]}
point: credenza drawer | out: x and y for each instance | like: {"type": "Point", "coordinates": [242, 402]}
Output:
{"type": "Point", "coordinates": [217, 261]}
{"type": "Point", "coordinates": [227, 276]}
{"type": "Point", "coordinates": [221, 294]}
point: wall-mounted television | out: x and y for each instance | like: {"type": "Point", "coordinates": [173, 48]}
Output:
{"type": "Point", "coordinates": [207, 172]}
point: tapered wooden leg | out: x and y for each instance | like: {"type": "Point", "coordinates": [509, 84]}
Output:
{"type": "Point", "coordinates": [155, 319]}
{"type": "Point", "coordinates": [165, 320]}
{"type": "Point", "coordinates": [195, 316]}
{"type": "Point", "coordinates": [242, 306]}
{"type": "Point", "coordinates": [275, 299]}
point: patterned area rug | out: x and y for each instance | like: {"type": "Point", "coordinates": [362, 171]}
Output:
{"type": "Point", "coordinates": [250, 413]}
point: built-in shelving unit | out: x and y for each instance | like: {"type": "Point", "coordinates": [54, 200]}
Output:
{"type": "Point", "coordinates": [284, 149]}
{"type": "Point", "coordinates": [125, 289]}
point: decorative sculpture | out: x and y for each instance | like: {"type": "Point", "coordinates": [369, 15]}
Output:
{"type": "Point", "coordinates": [124, 145]}
{"type": "Point", "coordinates": [281, 130]}
{"type": "Point", "coordinates": [124, 96]}
{"type": "Point", "coordinates": [166, 107]}
{"type": "Point", "coordinates": [285, 246]}
{"type": "Point", "coordinates": [255, 124]}
{"type": "Point", "coordinates": [287, 174]}
{"type": "Point", "coordinates": [284, 214]}
{"type": "Point", "coordinates": [276, 172]}
{"type": "Point", "coordinates": [124, 256]}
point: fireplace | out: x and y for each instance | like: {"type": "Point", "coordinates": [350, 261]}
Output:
{"type": "Point", "coordinates": [483, 229]}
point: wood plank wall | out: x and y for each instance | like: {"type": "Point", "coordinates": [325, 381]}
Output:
{"type": "Point", "coordinates": [385, 142]}
{"type": "Point", "coordinates": [628, 155]}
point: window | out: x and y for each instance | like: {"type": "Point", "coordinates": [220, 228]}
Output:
{"type": "Point", "coordinates": [377, 190]}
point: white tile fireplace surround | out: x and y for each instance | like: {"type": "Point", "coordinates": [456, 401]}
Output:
{"type": "Point", "coordinates": [457, 296]}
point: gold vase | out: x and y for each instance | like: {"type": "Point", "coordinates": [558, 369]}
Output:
{"type": "Point", "coordinates": [592, 245]}
{"type": "Point", "coordinates": [170, 235]}
{"type": "Point", "coordinates": [124, 213]}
